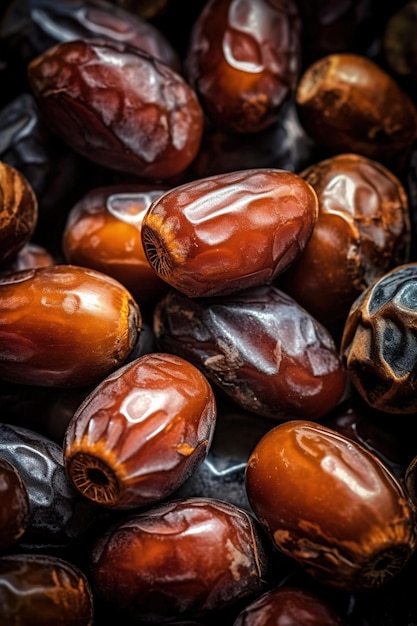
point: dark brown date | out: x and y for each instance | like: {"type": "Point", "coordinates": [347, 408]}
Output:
{"type": "Point", "coordinates": [363, 230]}
{"type": "Point", "coordinates": [348, 103]}
{"type": "Point", "coordinates": [64, 326]}
{"type": "Point", "coordinates": [43, 589]}
{"type": "Point", "coordinates": [243, 61]}
{"type": "Point", "coordinates": [14, 509]}
{"type": "Point", "coordinates": [220, 234]}
{"type": "Point", "coordinates": [331, 505]}
{"type": "Point", "coordinates": [379, 343]}
{"type": "Point", "coordinates": [118, 106]}
{"type": "Point", "coordinates": [141, 432]}
{"type": "Point", "coordinates": [181, 559]}
{"type": "Point", "coordinates": [258, 346]}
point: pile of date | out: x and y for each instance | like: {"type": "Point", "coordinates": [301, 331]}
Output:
{"type": "Point", "coordinates": [208, 312]}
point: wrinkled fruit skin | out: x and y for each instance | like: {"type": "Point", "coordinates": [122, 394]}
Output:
{"type": "Point", "coordinates": [141, 432]}
{"type": "Point", "coordinates": [183, 558]}
{"type": "Point", "coordinates": [331, 505]}
{"type": "Point", "coordinates": [14, 510]}
{"type": "Point", "coordinates": [379, 342]}
{"type": "Point", "coordinates": [145, 119]}
{"type": "Point", "coordinates": [64, 326]}
{"type": "Point", "coordinates": [229, 231]}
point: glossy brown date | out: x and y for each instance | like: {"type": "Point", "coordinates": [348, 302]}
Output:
{"type": "Point", "coordinates": [379, 345]}
{"type": "Point", "coordinates": [103, 231]}
{"type": "Point", "coordinates": [141, 432]}
{"type": "Point", "coordinates": [363, 230]}
{"type": "Point", "coordinates": [18, 211]}
{"type": "Point", "coordinates": [348, 103]}
{"type": "Point", "coordinates": [14, 509]}
{"type": "Point", "coordinates": [243, 60]}
{"type": "Point", "coordinates": [43, 589]}
{"type": "Point", "coordinates": [259, 347]}
{"type": "Point", "coordinates": [118, 106]}
{"type": "Point", "coordinates": [331, 505]}
{"type": "Point", "coordinates": [181, 559]}
{"type": "Point", "coordinates": [64, 326]}
{"type": "Point", "coordinates": [220, 234]}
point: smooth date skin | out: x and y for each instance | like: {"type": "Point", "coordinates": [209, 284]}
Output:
{"type": "Point", "coordinates": [243, 60]}
{"type": "Point", "coordinates": [188, 558]}
{"type": "Point", "coordinates": [331, 505]}
{"type": "Point", "coordinates": [14, 510]}
{"type": "Point", "coordinates": [64, 326]}
{"type": "Point", "coordinates": [220, 234]}
{"type": "Point", "coordinates": [118, 106]}
{"type": "Point", "coordinates": [258, 346]}
{"type": "Point", "coordinates": [141, 432]}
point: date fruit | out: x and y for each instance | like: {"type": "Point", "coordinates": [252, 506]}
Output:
{"type": "Point", "coordinates": [331, 505]}
{"type": "Point", "coordinates": [141, 432]}
{"type": "Point", "coordinates": [14, 509]}
{"type": "Point", "coordinates": [64, 326]}
{"type": "Point", "coordinates": [118, 106]}
{"type": "Point", "coordinates": [220, 234]}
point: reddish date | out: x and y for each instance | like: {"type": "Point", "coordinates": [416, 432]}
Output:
{"type": "Point", "coordinates": [220, 234]}
{"type": "Point", "coordinates": [118, 106]}
{"type": "Point", "coordinates": [331, 505]}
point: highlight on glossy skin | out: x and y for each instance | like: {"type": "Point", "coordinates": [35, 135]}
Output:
{"type": "Point", "coordinates": [350, 524]}
{"type": "Point", "coordinates": [181, 559]}
{"type": "Point", "coordinates": [243, 60]}
{"type": "Point", "coordinates": [144, 120]}
{"type": "Point", "coordinates": [379, 342]}
{"type": "Point", "coordinates": [141, 432]}
{"type": "Point", "coordinates": [64, 326]}
{"type": "Point", "coordinates": [220, 234]}
{"type": "Point", "coordinates": [363, 230]}
{"type": "Point", "coordinates": [14, 509]}
{"type": "Point", "coordinates": [43, 589]}
{"type": "Point", "coordinates": [103, 231]}
{"type": "Point", "coordinates": [18, 211]}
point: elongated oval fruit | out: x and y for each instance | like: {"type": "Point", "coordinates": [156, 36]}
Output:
{"type": "Point", "coordinates": [331, 505]}
{"type": "Point", "coordinates": [64, 326]}
{"type": "Point", "coordinates": [141, 432]}
{"type": "Point", "coordinates": [220, 234]}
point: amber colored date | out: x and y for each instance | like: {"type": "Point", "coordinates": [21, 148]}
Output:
{"type": "Point", "coordinates": [181, 559]}
{"type": "Point", "coordinates": [348, 103]}
{"type": "Point", "coordinates": [243, 60]}
{"type": "Point", "coordinates": [118, 106]}
{"type": "Point", "coordinates": [331, 505]}
{"type": "Point", "coordinates": [14, 510]}
{"type": "Point", "coordinates": [220, 234]}
{"type": "Point", "coordinates": [141, 432]}
{"type": "Point", "coordinates": [18, 211]}
{"type": "Point", "coordinates": [64, 326]}
{"type": "Point", "coordinates": [43, 589]}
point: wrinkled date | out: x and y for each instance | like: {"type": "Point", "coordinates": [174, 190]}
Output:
{"type": "Point", "coordinates": [379, 345]}
{"type": "Point", "coordinates": [259, 346]}
{"type": "Point", "coordinates": [64, 326]}
{"type": "Point", "coordinates": [243, 60]}
{"type": "Point", "coordinates": [141, 432]}
{"type": "Point", "coordinates": [223, 233]}
{"type": "Point", "coordinates": [118, 106]}
{"type": "Point", "coordinates": [183, 558]}
{"type": "Point", "coordinates": [331, 505]}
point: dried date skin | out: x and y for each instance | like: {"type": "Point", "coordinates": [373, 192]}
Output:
{"type": "Point", "coordinates": [64, 326]}
{"type": "Point", "coordinates": [351, 525]}
{"type": "Point", "coordinates": [14, 510]}
{"type": "Point", "coordinates": [18, 211]}
{"type": "Point", "coordinates": [363, 230]}
{"type": "Point", "coordinates": [348, 103]}
{"type": "Point", "coordinates": [226, 232]}
{"type": "Point", "coordinates": [141, 432]}
{"type": "Point", "coordinates": [181, 559]}
{"type": "Point", "coordinates": [378, 344]}
{"type": "Point", "coordinates": [243, 60]}
{"type": "Point", "coordinates": [44, 589]}
{"type": "Point", "coordinates": [118, 106]}
{"type": "Point", "coordinates": [259, 346]}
